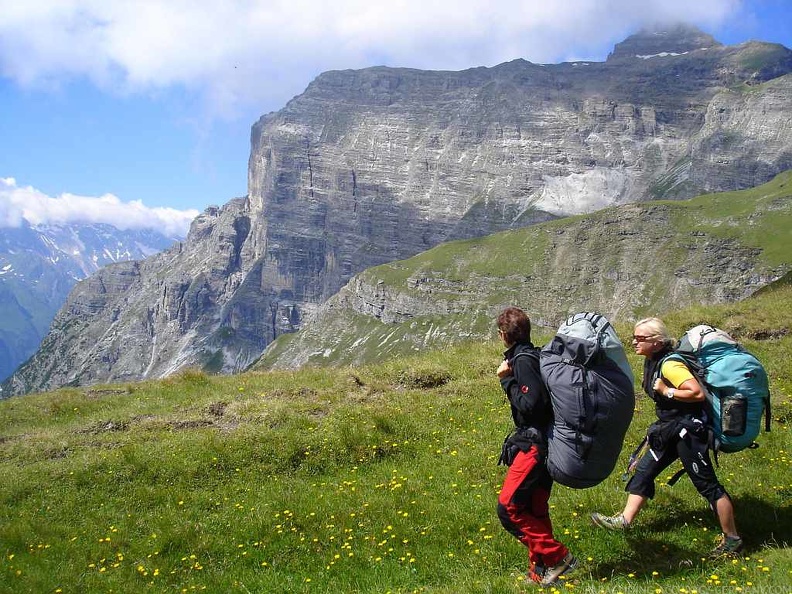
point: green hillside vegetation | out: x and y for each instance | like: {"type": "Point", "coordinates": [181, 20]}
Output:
{"type": "Point", "coordinates": [378, 478]}
{"type": "Point", "coordinates": [607, 260]}
{"type": "Point", "coordinates": [734, 215]}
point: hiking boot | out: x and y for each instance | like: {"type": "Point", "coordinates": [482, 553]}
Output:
{"type": "Point", "coordinates": [565, 566]}
{"type": "Point", "coordinates": [610, 522]}
{"type": "Point", "coordinates": [729, 546]}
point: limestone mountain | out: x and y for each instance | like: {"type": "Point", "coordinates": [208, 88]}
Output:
{"type": "Point", "coordinates": [375, 165]}
{"type": "Point", "coordinates": [40, 264]}
{"type": "Point", "coordinates": [626, 262]}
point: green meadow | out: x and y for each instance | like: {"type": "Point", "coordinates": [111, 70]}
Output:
{"type": "Point", "coordinates": [372, 479]}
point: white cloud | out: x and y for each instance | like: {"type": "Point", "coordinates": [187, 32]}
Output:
{"type": "Point", "coordinates": [262, 52]}
{"type": "Point", "coordinates": [26, 203]}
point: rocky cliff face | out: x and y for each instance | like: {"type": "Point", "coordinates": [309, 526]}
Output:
{"type": "Point", "coordinates": [149, 318]}
{"type": "Point", "coordinates": [626, 262]}
{"type": "Point", "coordinates": [376, 165]}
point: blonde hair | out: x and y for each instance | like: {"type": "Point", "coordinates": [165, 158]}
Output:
{"type": "Point", "coordinates": [656, 329]}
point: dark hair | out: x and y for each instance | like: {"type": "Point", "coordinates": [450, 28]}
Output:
{"type": "Point", "coordinates": [515, 325]}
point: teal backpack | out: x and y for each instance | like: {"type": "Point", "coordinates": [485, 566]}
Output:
{"type": "Point", "coordinates": [736, 386]}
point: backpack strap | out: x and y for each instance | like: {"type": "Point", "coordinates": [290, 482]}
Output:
{"type": "Point", "coordinates": [657, 372]}
{"type": "Point", "coordinates": [635, 457]}
{"type": "Point", "coordinates": [533, 354]}
{"type": "Point", "coordinates": [677, 475]}
{"type": "Point", "coordinates": [520, 440]}
{"type": "Point", "coordinates": [767, 412]}
{"type": "Point", "coordinates": [712, 444]}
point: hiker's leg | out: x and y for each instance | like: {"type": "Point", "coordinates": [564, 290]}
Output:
{"type": "Point", "coordinates": [641, 486]}
{"type": "Point", "coordinates": [725, 511]}
{"type": "Point", "coordinates": [523, 509]}
{"type": "Point", "coordinates": [694, 453]}
{"type": "Point", "coordinates": [545, 549]}
{"type": "Point", "coordinates": [633, 506]}
{"type": "Point", "coordinates": [515, 493]}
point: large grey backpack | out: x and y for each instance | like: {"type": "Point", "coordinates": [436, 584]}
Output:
{"type": "Point", "coordinates": [591, 389]}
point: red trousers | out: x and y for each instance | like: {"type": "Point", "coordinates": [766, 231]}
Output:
{"type": "Point", "coordinates": [524, 512]}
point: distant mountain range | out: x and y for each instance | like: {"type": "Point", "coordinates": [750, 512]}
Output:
{"type": "Point", "coordinates": [39, 266]}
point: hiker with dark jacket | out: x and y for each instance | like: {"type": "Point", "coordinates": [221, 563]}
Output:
{"type": "Point", "coordinates": [680, 432]}
{"type": "Point", "coordinates": [523, 501]}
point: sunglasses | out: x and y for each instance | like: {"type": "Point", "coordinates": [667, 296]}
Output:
{"type": "Point", "coordinates": [637, 338]}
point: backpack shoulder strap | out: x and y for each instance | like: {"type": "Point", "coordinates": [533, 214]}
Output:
{"type": "Point", "coordinates": [767, 412]}
{"type": "Point", "coordinates": [672, 356]}
{"type": "Point", "coordinates": [533, 354]}
{"type": "Point", "coordinates": [691, 362]}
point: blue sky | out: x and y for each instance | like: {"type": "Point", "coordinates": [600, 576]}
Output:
{"type": "Point", "coordinates": [145, 107]}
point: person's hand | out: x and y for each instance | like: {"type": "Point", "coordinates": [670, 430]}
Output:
{"type": "Point", "coordinates": [658, 386]}
{"type": "Point", "coordinates": [504, 369]}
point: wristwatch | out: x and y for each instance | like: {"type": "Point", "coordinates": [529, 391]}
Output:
{"type": "Point", "coordinates": [670, 393]}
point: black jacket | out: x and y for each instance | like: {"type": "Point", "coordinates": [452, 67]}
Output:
{"type": "Point", "coordinates": [530, 402]}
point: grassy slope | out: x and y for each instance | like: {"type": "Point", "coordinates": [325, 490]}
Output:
{"type": "Point", "coordinates": [369, 479]}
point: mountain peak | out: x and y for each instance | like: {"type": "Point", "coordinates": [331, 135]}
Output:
{"type": "Point", "coordinates": [658, 40]}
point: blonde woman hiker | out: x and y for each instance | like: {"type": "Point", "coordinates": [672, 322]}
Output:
{"type": "Point", "coordinates": [680, 432]}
